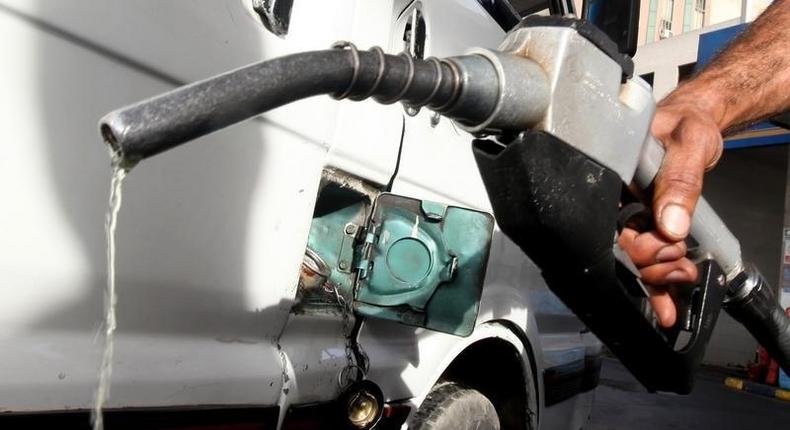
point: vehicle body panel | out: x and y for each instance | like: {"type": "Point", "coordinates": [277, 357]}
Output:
{"type": "Point", "coordinates": [211, 236]}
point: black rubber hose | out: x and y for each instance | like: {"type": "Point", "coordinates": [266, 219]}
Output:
{"type": "Point", "coordinates": [171, 119]}
{"type": "Point", "coordinates": [761, 314]}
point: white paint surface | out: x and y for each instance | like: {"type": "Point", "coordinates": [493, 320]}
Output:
{"type": "Point", "coordinates": [211, 234]}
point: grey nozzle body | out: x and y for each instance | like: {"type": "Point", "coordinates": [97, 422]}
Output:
{"type": "Point", "coordinates": [520, 87]}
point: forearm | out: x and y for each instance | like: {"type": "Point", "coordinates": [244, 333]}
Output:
{"type": "Point", "coordinates": [750, 80]}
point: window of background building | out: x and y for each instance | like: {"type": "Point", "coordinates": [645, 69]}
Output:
{"type": "Point", "coordinates": [665, 30]}
{"type": "Point", "coordinates": [651, 21]}
{"type": "Point", "coordinates": [687, 15]}
{"type": "Point", "coordinates": [699, 13]}
{"type": "Point", "coordinates": [662, 22]}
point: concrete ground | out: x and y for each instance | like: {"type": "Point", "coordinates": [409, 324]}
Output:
{"type": "Point", "coordinates": [621, 403]}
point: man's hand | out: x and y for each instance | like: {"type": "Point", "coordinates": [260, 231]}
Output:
{"type": "Point", "coordinates": [736, 89]}
{"type": "Point", "coordinates": [691, 137]}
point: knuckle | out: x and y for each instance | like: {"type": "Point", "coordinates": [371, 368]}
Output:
{"type": "Point", "coordinates": [683, 183]}
{"type": "Point", "coordinates": [715, 151]}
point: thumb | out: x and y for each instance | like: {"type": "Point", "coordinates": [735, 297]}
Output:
{"type": "Point", "coordinates": [678, 186]}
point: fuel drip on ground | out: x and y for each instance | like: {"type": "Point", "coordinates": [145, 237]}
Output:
{"type": "Point", "coordinates": [119, 170]}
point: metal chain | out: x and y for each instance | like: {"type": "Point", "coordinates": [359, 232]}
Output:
{"type": "Point", "coordinates": [353, 350]}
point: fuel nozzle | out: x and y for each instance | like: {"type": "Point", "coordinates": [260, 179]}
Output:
{"type": "Point", "coordinates": [751, 302]}
{"type": "Point", "coordinates": [481, 91]}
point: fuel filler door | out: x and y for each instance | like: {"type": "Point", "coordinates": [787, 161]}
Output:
{"type": "Point", "coordinates": [422, 263]}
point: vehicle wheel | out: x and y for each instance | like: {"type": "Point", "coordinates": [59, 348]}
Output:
{"type": "Point", "coordinates": [450, 406]}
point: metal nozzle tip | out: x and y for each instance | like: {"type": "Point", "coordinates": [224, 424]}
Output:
{"type": "Point", "coordinates": [109, 137]}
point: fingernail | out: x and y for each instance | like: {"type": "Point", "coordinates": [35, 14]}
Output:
{"type": "Point", "coordinates": [676, 276]}
{"type": "Point", "coordinates": [676, 220]}
{"type": "Point", "coordinates": [666, 317]}
{"type": "Point", "coordinates": [669, 253]}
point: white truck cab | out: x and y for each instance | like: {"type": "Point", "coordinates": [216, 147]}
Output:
{"type": "Point", "coordinates": [233, 250]}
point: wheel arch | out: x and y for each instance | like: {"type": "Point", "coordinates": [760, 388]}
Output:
{"type": "Point", "coordinates": [503, 347]}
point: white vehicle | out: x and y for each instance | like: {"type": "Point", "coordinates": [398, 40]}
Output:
{"type": "Point", "coordinates": [221, 321]}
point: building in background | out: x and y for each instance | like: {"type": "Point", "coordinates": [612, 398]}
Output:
{"type": "Point", "coordinates": [662, 19]}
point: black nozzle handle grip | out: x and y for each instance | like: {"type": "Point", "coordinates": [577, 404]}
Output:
{"type": "Point", "coordinates": [761, 314]}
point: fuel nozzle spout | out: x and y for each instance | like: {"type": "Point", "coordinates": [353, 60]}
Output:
{"type": "Point", "coordinates": [482, 90]}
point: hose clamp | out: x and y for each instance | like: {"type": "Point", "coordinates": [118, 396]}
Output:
{"type": "Point", "coordinates": [406, 85]}
{"type": "Point", "coordinates": [343, 44]}
{"type": "Point", "coordinates": [379, 75]}
{"type": "Point", "coordinates": [437, 82]}
{"type": "Point", "coordinates": [742, 285]}
{"type": "Point", "coordinates": [456, 86]}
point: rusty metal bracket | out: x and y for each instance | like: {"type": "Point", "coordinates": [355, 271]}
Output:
{"type": "Point", "coordinates": [275, 14]}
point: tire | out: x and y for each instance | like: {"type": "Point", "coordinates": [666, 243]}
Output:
{"type": "Point", "coordinates": [450, 406]}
